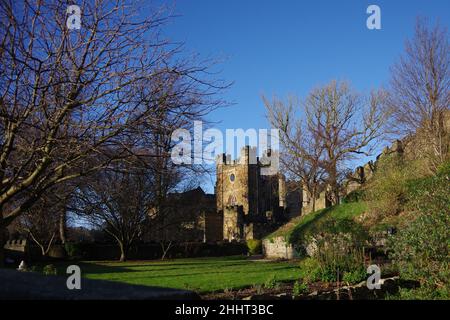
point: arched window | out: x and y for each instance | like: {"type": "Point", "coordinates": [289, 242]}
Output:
{"type": "Point", "coordinates": [232, 201]}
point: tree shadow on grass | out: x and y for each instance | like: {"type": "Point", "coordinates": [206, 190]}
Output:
{"type": "Point", "coordinates": [99, 268]}
{"type": "Point", "coordinates": [93, 269]}
{"type": "Point", "coordinates": [105, 268]}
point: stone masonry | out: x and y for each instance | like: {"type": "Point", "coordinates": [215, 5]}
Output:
{"type": "Point", "coordinates": [252, 204]}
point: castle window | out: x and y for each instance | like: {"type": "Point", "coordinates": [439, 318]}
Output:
{"type": "Point", "coordinates": [232, 177]}
{"type": "Point", "coordinates": [232, 201]}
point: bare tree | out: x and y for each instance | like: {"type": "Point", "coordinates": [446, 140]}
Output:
{"type": "Point", "coordinates": [41, 222]}
{"type": "Point", "coordinates": [301, 152]}
{"type": "Point", "coordinates": [420, 90]}
{"type": "Point", "coordinates": [125, 201]}
{"type": "Point", "coordinates": [117, 200]}
{"type": "Point", "coordinates": [346, 124]}
{"type": "Point", "coordinates": [66, 95]}
{"type": "Point", "coordinates": [338, 125]}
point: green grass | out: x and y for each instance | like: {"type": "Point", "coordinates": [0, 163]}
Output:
{"type": "Point", "coordinates": [296, 226]}
{"type": "Point", "coordinates": [203, 275]}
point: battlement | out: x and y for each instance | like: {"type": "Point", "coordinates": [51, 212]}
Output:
{"type": "Point", "coordinates": [244, 193]}
{"type": "Point", "coordinates": [248, 155]}
{"type": "Point", "coordinates": [18, 247]}
{"type": "Point", "coordinates": [16, 242]}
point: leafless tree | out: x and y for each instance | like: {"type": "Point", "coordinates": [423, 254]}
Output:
{"type": "Point", "coordinates": [67, 96]}
{"type": "Point", "coordinates": [116, 200]}
{"type": "Point", "coordinates": [420, 90]}
{"type": "Point", "coordinates": [125, 201]}
{"type": "Point", "coordinates": [41, 222]}
{"type": "Point", "coordinates": [347, 124]}
{"type": "Point", "coordinates": [301, 152]}
{"type": "Point", "coordinates": [337, 125]}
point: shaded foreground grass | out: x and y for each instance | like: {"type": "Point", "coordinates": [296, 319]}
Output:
{"type": "Point", "coordinates": [203, 275]}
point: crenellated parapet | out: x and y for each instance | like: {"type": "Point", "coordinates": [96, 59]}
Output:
{"type": "Point", "coordinates": [250, 193]}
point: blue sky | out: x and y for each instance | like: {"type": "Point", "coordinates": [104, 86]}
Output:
{"type": "Point", "coordinates": [289, 47]}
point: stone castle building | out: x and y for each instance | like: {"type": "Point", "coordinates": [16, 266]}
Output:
{"type": "Point", "coordinates": [251, 199]}
{"type": "Point", "coordinates": [251, 196]}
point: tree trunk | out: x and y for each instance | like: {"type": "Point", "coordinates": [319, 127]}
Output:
{"type": "Point", "coordinates": [2, 245]}
{"type": "Point", "coordinates": [62, 226]}
{"type": "Point", "coordinates": [165, 249]}
{"type": "Point", "coordinates": [43, 251]}
{"type": "Point", "coordinates": [333, 181]}
{"type": "Point", "coordinates": [314, 194]}
{"type": "Point", "coordinates": [123, 252]}
{"type": "Point", "coordinates": [2, 239]}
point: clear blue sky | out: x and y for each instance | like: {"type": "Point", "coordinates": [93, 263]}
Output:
{"type": "Point", "coordinates": [283, 47]}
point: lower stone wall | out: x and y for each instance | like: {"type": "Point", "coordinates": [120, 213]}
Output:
{"type": "Point", "coordinates": [214, 227]}
{"type": "Point", "coordinates": [278, 248]}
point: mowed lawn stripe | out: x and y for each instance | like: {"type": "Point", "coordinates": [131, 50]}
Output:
{"type": "Point", "coordinates": [202, 275]}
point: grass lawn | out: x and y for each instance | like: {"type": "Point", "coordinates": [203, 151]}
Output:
{"type": "Point", "coordinates": [203, 275]}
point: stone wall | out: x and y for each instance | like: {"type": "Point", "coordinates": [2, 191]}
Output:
{"type": "Point", "coordinates": [321, 202]}
{"type": "Point", "coordinates": [417, 146]}
{"type": "Point", "coordinates": [17, 250]}
{"type": "Point", "coordinates": [278, 248]}
{"type": "Point", "coordinates": [232, 185]}
{"type": "Point", "coordinates": [18, 245]}
{"type": "Point", "coordinates": [245, 196]}
{"type": "Point", "coordinates": [233, 223]}
{"type": "Point", "coordinates": [189, 216]}
{"type": "Point", "coordinates": [214, 226]}
{"type": "Point", "coordinates": [293, 203]}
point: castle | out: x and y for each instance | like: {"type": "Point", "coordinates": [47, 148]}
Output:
{"type": "Point", "coordinates": [252, 199]}
{"type": "Point", "coordinates": [251, 196]}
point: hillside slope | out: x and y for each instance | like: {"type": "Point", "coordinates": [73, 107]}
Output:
{"type": "Point", "coordinates": [340, 216]}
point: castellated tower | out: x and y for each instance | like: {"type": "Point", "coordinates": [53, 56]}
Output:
{"type": "Point", "coordinates": [251, 203]}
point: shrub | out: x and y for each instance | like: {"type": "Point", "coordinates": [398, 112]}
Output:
{"type": "Point", "coordinates": [429, 195]}
{"type": "Point", "coordinates": [330, 273]}
{"type": "Point", "coordinates": [354, 196]}
{"type": "Point", "coordinates": [73, 250]}
{"type": "Point", "coordinates": [355, 276]}
{"type": "Point", "coordinates": [310, 270]}
{"type": "Point", "coordinates": [34, 269]}
{"type": "Point", "coordinates": [254, 246]}
{"type": "Point", "coordinates": [258, 288]}
{"type": "Point", "coordinates": [50, 270]}
{"type": "Point", "coordinates": [421, 249]}
{"type": "Point", "coordinates": [271, 282]}
{"type": "Point", "coordinates": [336, 257]}
{"type": "Point", "coordinates": [299, 288]}
{"type": "Point", "coordinates": [332, 262]}
{"type": "Point", "coordinates": [444, 169]}
{"type": "Point", "coordinates": [387, 189]}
